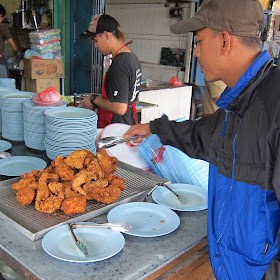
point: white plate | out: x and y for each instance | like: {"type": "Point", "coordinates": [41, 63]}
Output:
{"type": "Point", "coordinates": [16, 166]}
{"type": "Point", "coordinates": [101, 244]}
{"type": "Point", "coordinates": [70, 113]}
{"type": "Point", "coordinates": [195, 197]}
{"type": "Point", "coordinates": [146, 219]}
{"type": "Point", "coordinates": [4, 145]}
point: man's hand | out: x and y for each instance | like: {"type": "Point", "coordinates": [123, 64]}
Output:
{"type": "Point", "coordinates": [87, 104]}
{"type": "Point", "coordinates": [138, 129]}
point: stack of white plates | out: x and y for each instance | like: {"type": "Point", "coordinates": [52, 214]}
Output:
{"type": "Point", "coordinates": [34, 123]}
{"type": "Point", "coordinates": [69, 129]}
{"type": "Point", "coordinates": [12, 114]}
{"type": "Point", "coordinates": [4, 91]}
{"type": "Point", "coordinates": [8, 82]}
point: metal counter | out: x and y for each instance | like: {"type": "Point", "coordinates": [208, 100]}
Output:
{"type": "Point", "coordinates": [139, 258]}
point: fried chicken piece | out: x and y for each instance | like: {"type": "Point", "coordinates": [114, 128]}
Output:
{"type": "Point", "coordinates": [56, 187]}
{"type": "Point", "coordinates": [76, 159]}
{"type": "Point", "coordinates": [106, 195]}
{"type": "Point", "coordinates": [64, 171]}
{"type": "Point", "coordinates": [90, 156]}
{"type": "Point", "coordinates": [49, 169]}
{"type": "Point", "coordinates": [81, 178]}
{"type": "Point", "coordinates": [74, 205]}
{"type": "Point", "coordinates": [67, 190]}
{"type": "Point", "coordinates": [95, 168]}
{"type": "Point", "coordinates": [47, 177]}
{"type": "Point", "coordinates": [33, 175]}
{"type": "Point", "coordinates": [114, 164]}
{"type": "Point", "coordinates": [118, 181]}
{"type": "Point", "coordinates": [58, 160]}
{"type": "Point", "coordinates": [25, 195]}
{"type": "Point", "coordinates": [52, 203]}
{"type": "Point", "coordinates": [104, 162]}
{"type": "Point", "coordinates": [28, 182]}
{"type": "Point", "coordinates": [42, 194]}
{"type": "Point", "coordinates": [88, 187]}
{"type": "Point", "coordinates": [70, 193]}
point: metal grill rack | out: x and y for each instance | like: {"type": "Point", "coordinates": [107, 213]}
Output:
{"type": "Point", "coordinates": [34, 224]}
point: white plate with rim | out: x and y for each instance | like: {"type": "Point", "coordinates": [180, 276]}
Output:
{"type": "Point", "coordinates": [18, 165]}
{"type": "Point", "coordinates": [101, 244]}
{"type": "Point", "coordinates": [195, 197]}
{"type": "Point", "coordinates": [70, 113]}
{"type": "Point", "coordinates": [4, 145]}
{"type": "Point", "coordinates": [147, 219]}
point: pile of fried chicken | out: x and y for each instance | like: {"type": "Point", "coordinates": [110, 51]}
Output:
{"type": "Point", "coordinates": [70, 181]}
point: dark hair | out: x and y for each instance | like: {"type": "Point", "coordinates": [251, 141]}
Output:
{"type": "Point", "coordinates": [120, 35]}
{"type": "Point", "coordinates": [2, 11]}
{"type": "Point", "coordinates": [264, 35]}
{"type": "Point", "coordinates": [247, 41]}
{"type": "Point", "coordinates": [250, 41]}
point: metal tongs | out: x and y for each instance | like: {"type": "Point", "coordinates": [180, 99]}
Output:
{"type": "Point", "coordinates": [78, 243]}
{"type": "Point", "coordinates": [181, 200]}
{"type": "Point", "coordinates": [5, 155]}
{"type": "Point", "coordinates": [111, 141]}
{"type": "Point", "coordinates": [120, 227]}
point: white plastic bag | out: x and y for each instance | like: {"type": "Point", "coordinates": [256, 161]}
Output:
{"type": "Point", "coordinates": [172, 164]}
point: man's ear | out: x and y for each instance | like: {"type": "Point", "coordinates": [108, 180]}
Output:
{"type": "Point", "coordinates": [225, 42]}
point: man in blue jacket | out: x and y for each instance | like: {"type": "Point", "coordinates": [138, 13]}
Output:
{"type": "Point", "coordinates": [241, 140]}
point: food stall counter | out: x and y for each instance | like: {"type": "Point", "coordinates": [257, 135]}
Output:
{"type": "Point", "coordinates": [140, 258]}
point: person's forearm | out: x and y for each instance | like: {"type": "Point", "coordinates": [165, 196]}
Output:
{"type": "Point", "coordinates": [13, 45]}
{"type": "Point", "coordinates": [112, 107]}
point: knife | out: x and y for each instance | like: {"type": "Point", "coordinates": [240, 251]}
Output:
{"type": "Point", "coordinates": [78, 243]}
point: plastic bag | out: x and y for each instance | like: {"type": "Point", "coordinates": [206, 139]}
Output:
{"type": "Point", "coordinates": [172, 164]}
{"type": "Point", "coordinates": [28, 54]}
{"type": "Point", "coordinates": [174, 81]}
{"type": "Point", "coordinates": [45, 48]}
{"type": "Point", "coordinates": [47, 97]}
{"type": "Point", "coordinates": [45, 34]}
{"type": "Point", "coordinates": [45, 40]}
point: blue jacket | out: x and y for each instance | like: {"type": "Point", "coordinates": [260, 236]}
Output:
{"type": "Point", "coordinates": [241, 141]}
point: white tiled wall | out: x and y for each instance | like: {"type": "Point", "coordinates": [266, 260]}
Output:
{"type": "Point", "coordinates": [147, 23]}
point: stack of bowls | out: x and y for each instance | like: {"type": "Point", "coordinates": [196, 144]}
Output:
{"type": "Point", "coordinates": [34, 123]}
{"type": "Point", "coordinates": [69, 129]}
{"type": "Point", "coordinates": [4, 91]}
{"type": "Point", "coordinates": [12, 114]}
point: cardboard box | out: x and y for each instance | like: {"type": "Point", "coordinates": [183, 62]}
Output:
{"type": "Point", "coordinates": [43, 68]}
{"type": "Point", "coordinates": [39, 85]}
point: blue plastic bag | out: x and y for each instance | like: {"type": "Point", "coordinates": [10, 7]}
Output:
{"type": "Point", "coordinates": [172, 164]}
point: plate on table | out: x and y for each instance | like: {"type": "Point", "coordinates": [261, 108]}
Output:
{"type": "Point", "coordinates": [195, 197]}
{"type": "Point", "coordinates": [18, 165]}
{"type": "Point", "coordinates": [101, 244]}
{"type": "Point", "coordinates": [4, 145]}
{"type": "Point", "coordinates": [146, 219]}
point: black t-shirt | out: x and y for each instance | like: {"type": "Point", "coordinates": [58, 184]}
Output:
{"type": "Point", "coordinates": [122, 84]}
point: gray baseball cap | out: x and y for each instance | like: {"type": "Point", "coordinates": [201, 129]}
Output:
{"type": "Point", "coordinates": [238, 17]}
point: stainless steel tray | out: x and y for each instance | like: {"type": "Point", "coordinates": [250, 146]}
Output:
{"type": "Point", "coordinates": [34, 224]}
